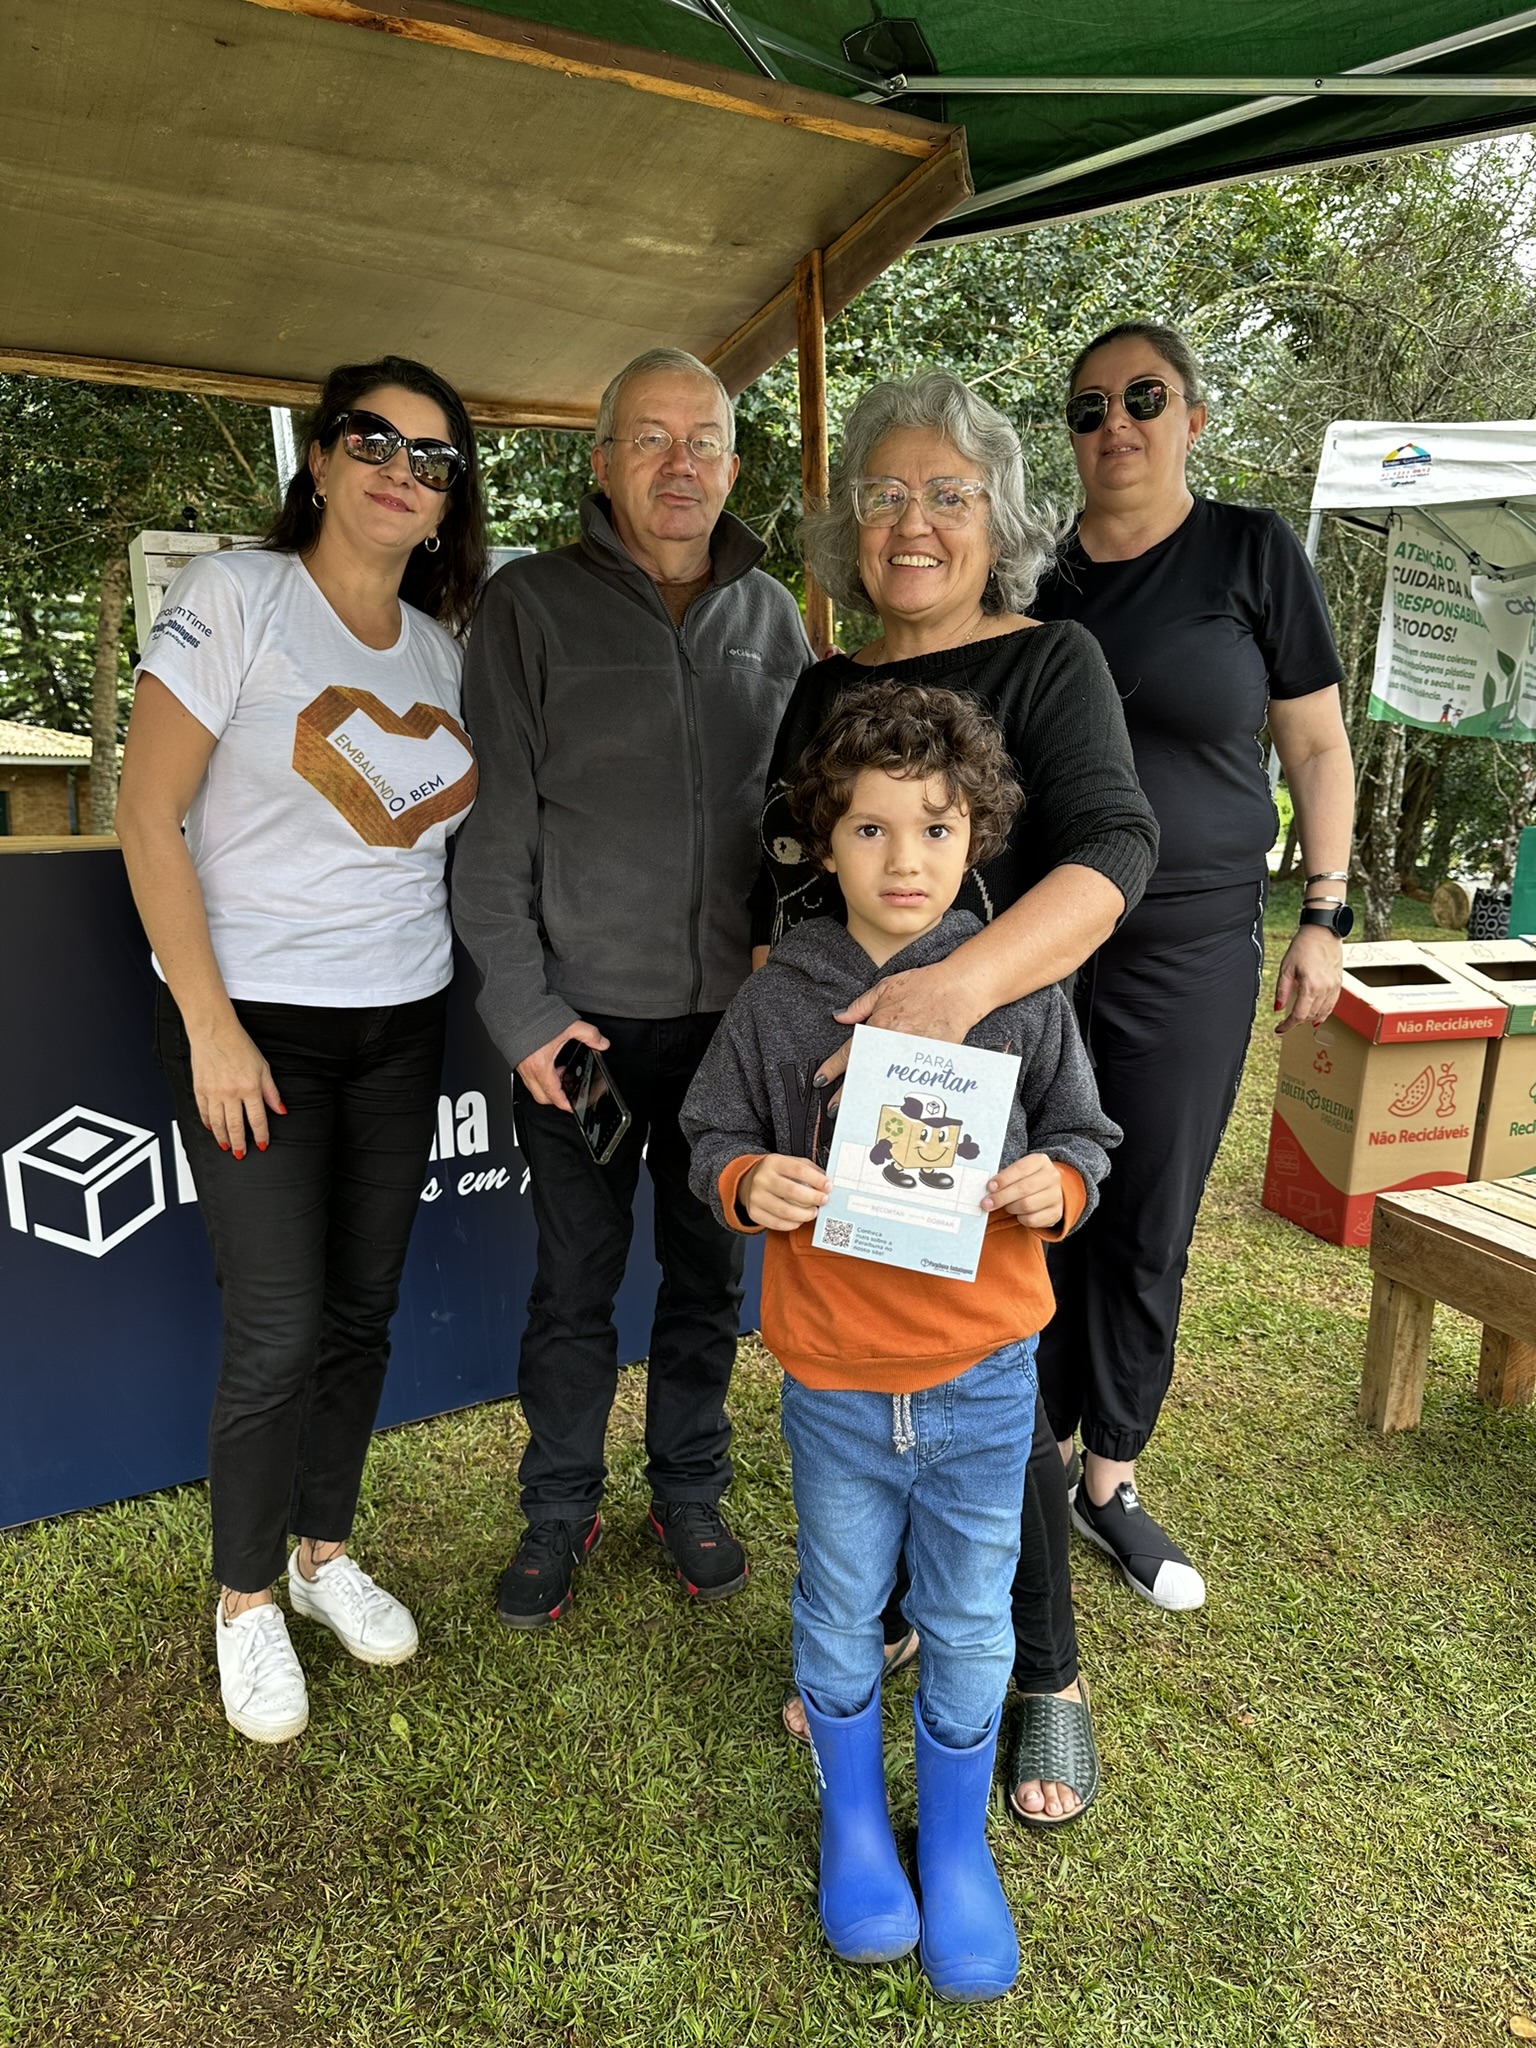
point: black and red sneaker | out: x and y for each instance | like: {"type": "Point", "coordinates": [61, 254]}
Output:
{"type": "Point", "coordinates": [535, 1589]}
{"type": "Point", "coordinates": [709, 1562]}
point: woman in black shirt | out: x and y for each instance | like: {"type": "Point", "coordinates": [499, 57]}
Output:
{"type": "Point", "coordinates": [1213, 624]}
{"type": "Point", "coordinates": [929, 530]}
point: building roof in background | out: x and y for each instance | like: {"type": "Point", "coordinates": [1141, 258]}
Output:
{"type": "Point", "coordinates": [34, 746]}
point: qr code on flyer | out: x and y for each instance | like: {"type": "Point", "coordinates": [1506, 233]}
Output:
{"type": "Point", "coordinates": [837, 1235]}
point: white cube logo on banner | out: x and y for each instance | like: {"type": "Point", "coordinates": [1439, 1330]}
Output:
{"type": "Point", "coordinates": [86, 1181]}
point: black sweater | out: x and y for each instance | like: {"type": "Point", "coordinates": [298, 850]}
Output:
{"type": "Point", "coordinates": [1050, 694]}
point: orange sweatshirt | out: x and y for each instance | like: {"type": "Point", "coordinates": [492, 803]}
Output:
{"type": "Point", "coordinates": [834, 1321]}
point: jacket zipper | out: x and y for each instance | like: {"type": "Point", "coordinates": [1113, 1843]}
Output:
{"type": "Point", "coordinates": [690, 713]}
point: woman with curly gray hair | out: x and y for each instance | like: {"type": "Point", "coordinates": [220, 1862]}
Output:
{"type": "Point", "coordinates": [929, 531]}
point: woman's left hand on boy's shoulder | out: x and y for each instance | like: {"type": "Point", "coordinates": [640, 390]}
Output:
{"type": "Point", "coordinates": [1030, 1190]}
{"type": "Point", "coordinates": [928, 1002]}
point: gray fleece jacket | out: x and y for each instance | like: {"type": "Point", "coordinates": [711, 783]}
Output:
{"type": "Point", "coordinates": [607, 863]}
{"type": "Point", "coordinates": [753, 1094]}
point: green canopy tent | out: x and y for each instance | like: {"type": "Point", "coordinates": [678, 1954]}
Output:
{"type": "Point", "coordinates": [1074, 106]}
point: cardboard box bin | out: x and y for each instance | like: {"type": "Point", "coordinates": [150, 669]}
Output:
{"type": "Point", "coordinates": [1504, 1135]}
{"type": "Point", "coordinates": [1383, 1096]}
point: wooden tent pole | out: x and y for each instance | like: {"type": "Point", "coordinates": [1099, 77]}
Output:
{"type": "Point", "coordinates": [811, 354]}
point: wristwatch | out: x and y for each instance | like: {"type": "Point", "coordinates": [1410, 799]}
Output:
{"type": "Point", "coordinates": [1339, 919]}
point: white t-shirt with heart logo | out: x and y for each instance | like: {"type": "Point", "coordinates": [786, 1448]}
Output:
{"type": "Point", "coordinates": [320, 830]}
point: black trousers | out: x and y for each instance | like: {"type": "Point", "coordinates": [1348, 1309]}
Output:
{"type": "Point", "coordinates": [309, 1241]}
{"type": "Point", "coordinates": [1166, 1006]}
{"type": "Point", "coordinates": [568, 1368]}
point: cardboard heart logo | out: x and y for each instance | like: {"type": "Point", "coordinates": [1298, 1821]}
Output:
{"type": "Point", "coordinates": [392, 777]}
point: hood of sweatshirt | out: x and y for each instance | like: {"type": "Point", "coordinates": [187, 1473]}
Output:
{"type": "Point", "coordinates": [827, 962]}
{"type": "Point", "coordinates": [815, 970]}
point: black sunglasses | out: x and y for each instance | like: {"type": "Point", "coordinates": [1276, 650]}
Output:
{"type": "Point", "coordinates": [368, 437]}
{"type": "Point", "coordinates": [1143, 398]}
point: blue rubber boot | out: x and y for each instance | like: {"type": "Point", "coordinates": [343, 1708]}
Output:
{"type": "Point", "coordinates": [969, 1949]}
{"type": "Point", "coordinates": [866, 1903]}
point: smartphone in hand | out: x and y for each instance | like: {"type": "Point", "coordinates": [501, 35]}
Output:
{"type": "Point", "coordinates": [596, 1104]}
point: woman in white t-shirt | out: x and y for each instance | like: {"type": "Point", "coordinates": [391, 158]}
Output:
{"type": "Point", "coordinates": [294, 766]}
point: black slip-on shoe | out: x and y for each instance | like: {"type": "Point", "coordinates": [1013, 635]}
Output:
{"type": "Point", "coordinates": [709, 1562]}
{"type": "Point", "coordinates": [1150, 1562]}
{"type": "Point", "coordinates": [535, 1589]}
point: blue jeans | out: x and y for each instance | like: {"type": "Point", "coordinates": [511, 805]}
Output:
{"type": "Point", "coordinates": [940, 1474]}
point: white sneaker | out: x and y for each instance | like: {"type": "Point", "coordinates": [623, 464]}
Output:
{"type": "Point", "coordinates": [371, 1623]}
{"type": "Point", "coordinates": [259, 1676]}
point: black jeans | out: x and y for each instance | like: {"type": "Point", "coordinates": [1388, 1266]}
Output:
{"type": "Point", "coordinates": [1167, 1009]}
{"type": "Point", "coordinates": [568, 1368]}
{"type": "Point", "coordinates": [309, 1240]}
{"type": "Point", "coordinates": [1044, 1628]}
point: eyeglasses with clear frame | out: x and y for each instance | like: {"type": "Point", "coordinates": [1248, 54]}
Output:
{"type": "Point", "coordinates": [947, 501]}
{"type": "Point", "coordinates": [655, 441]}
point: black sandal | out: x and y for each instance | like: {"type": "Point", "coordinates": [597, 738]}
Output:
{"type": "Point", "coordinates": [904, 1652]}
{"type": "Point", "coordinates": [1053, 1742]}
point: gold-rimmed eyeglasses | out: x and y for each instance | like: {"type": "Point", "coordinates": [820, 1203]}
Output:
{"type": "Point", "coordinates": [946, 500]}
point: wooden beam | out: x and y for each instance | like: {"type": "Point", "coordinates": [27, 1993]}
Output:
{"type": "Point", "coordinates": [811, 351]}
{"type": "Point", "coordinates": [855, 259]}
{"type": "Point", "coordinates": [1396, 1356]}
{"type": "Point", "coordinates": [483, 34]}
{"type": "Point", "coordinates": [250, 390]}
{"type": "Point", "coordinates": [31, 362]}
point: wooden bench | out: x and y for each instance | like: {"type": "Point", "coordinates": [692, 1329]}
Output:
{"type": "Point", "coordinates": [1472, 1247]}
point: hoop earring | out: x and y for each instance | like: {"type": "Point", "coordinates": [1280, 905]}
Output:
{"type": "Point", "coordinates": [432, 543]}
{"type": "Point", "coordinates": [317, 501]}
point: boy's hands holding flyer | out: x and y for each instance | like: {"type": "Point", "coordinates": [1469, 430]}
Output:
{"type": "Point", "coordinates": [1030, 1189]}
{"type": "Point", "coordinates": [782, 1192]}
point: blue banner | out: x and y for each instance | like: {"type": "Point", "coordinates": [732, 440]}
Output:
{"type": "Point", "coordinates": [109, 1317]}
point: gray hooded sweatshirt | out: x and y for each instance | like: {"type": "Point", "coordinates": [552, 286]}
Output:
{"type": "Point", "coordinates": [753, 1093]}
{"type": "Point", "coordinates": [607, 863]}
{"type": "Point", "coordinates": [837, 1322]}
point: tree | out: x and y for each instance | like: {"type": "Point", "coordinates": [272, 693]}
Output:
{"type": "Point", "coordinates": [87, 467]}
{"type": "Point", "coordinates": [1411, 300]}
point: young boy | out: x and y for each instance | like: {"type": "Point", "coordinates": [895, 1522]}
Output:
{"type": "Point", "coordinates": [908, 1398]}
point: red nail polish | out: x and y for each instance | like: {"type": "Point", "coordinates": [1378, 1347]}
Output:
{"type": "Point", "coordinates": [222, 1146]}
{"type": "Point", "coordinates": [262, 1145]}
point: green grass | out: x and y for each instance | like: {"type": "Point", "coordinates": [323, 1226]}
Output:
{"type": "Point", "coordinates": [1319, 1817]}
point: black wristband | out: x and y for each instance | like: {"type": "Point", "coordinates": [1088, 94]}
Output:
{"type": "Point", "coordinates": [1340, 921]}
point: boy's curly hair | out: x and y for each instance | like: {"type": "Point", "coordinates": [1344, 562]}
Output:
{"type": "Point", "coordinates": [911, 731]}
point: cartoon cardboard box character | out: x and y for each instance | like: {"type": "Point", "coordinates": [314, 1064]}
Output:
{"type": "Point", "coordinates": [920, 1134]}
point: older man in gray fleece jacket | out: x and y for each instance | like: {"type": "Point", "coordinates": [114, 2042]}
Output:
{"type": "Point", "coordinates": [623, 695]}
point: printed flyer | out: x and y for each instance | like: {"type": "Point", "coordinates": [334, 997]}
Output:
{"type": "Point", "coordinates": [1453, 653]}
{"type": "Point", "coordinates": [919, 1133]}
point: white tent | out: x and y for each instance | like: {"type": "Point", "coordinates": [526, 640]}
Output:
{"type": "Point", "coordinates": [1456, 648]}
{"type": "Point", "coordinates": [1473, 481]}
